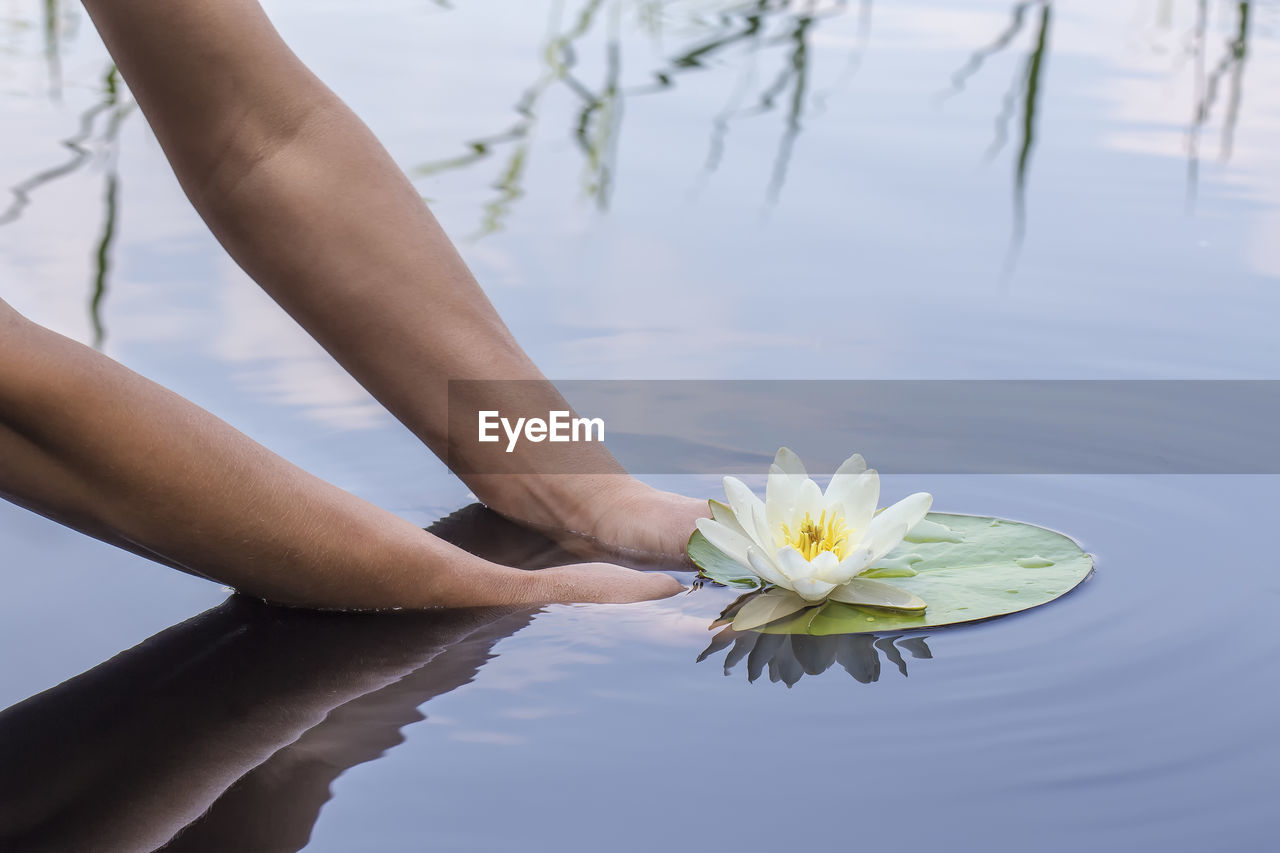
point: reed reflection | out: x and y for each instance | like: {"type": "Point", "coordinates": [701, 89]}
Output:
{"type": "Point", "coordinates": [736, 36]}
{"type": "Point", "coordinates": [1208, 84]}
{"type": "Point", "coordinates": [225, 732]}
{"type": "Point", "coordinates": [1021, 98]}
{"type": "Point", "coordinates": [98, 133]}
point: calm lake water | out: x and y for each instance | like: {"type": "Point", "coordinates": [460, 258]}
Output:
{"type": "Point", "coordinates": [666, 190]}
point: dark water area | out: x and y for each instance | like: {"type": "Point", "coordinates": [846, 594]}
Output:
{"type": "Point", "coordinates": [683, 190]}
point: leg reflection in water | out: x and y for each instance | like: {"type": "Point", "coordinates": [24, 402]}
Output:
{"type": "Point", "coordinates": [225, 732]}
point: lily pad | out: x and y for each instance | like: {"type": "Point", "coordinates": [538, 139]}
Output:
{"type": "Point", "coordinates": [965, 567]}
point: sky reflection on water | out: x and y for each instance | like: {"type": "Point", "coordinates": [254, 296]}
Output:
{"type": "Point", "coordinates": [720, 190]}
{"type": "Point", "coordinates": [779, 61]}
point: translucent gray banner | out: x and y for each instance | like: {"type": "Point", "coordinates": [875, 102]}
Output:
{"type": "Point", "coordinates": [921, 426]}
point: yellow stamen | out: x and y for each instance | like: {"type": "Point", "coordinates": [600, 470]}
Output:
{"type": "Point", "coordinates": [813, 537]}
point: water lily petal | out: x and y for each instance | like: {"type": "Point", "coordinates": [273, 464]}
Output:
{"type": "Point", "coordinates": [781, 493]}
{"type": "Point", "coordinates": [851, 566]}
{"type": "Point", "coordinates": [744, 504]}
{"type": "Point", "coordinates": [848, 471]}
{"type": "Point", "coordinates": [786, 474]}
{"type": "Point", "coordinates": [869, 593]}
{"type": "Point", "coordinates": [787, 460]}
{"type": "Point", "coordinates": [858, 494]}
{"type": "Point", "coordinates": [766, 607]}
{"type": "Point", "coordinates": [809, 500]}
{"type": "Point", "coordinates": [855, 464]}
{"type": "Point", "coordinates": [793, 564]}
{"type": "Point", "coordinates": [760, 531]}
{"type": "Point", "coordinates": [812, 589]}
{"type": "Point", "coordinates": [727, 541]}
{"type": "Point", "coordinates": [766, 567]}
{"type": "Point", "coordinates": [884, 540]}
{"type": "Point", "coordinates": [823, 564]}
{"type": "Point", "coordinates": [888, 528]}
{"type": "Point", "coordinates": [723, 514]}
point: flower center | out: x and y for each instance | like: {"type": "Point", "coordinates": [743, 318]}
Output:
{"type": "Point", "coordinates": [811, 537]}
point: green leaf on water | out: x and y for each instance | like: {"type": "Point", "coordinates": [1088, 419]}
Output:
{"type": "Point", "coordinates": [965, 567]}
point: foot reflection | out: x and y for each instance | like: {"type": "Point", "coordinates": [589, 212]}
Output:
{"type": "Point", "coordinates": [225, 732]}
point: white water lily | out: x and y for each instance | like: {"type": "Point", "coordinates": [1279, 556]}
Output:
{"type": "Point", "coordinates": [816, 543]}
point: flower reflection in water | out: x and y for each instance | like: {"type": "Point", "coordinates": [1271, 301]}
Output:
{"type": "Point", "coordinates": [789, 657]}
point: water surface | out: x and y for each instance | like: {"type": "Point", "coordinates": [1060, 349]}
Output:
{"type": "Point", "coordinates": [667, 190]}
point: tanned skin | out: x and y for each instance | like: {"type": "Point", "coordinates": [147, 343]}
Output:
{"type": "Point", "coordinates": [310, 205]}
